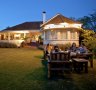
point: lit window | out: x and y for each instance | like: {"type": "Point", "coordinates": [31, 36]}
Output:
{"type": "Point", "coordinates": [47, 35]}
{"type": "Point", "coordinates": [73, 36]}
{"type": "Point", "coordinates": [58, 35]}
{"type": "Point", "coordinates": [63, 35]}
{"type": "Point", "coordinates": [53, 34]}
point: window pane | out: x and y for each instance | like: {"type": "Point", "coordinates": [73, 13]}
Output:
{"type": "Point", "coordinates": [53, 34]}
{"type": "Point", "coordinates": [63, 35]}
{"type": "Point", "coordinates": [73, 36]}
{"type": "Point", "coordinates": [47, 35]}
{"type": "Point", "coordinates": [58, 35]}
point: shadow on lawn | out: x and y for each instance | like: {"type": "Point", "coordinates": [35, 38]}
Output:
{"type": "Point", "coordinates": [56, 75]}
{"type": "Point", "coordinates": [61, 81]}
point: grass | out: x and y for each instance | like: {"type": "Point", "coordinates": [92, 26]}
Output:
{"type": "Point", "coordinates": [23, 69]}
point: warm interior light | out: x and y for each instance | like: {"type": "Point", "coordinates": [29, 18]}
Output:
{"type": "Point", "coordinates": [17, 35]}
{"type": "Point", "coordinates": [62, 25]}
{"type": "Point", "coordinates": [51, 30]}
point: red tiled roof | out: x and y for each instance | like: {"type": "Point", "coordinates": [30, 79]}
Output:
{"type": "Point", "coordinates": [59, 19]}
{"type": "Point", "coordinates": [25, 26]}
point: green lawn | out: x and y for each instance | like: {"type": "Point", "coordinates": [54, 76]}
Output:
{"type": "Point", "coordinates": [23, 69]}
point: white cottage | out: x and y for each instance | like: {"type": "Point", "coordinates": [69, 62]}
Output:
{"type": "Point", "coordinates": [60, 30]}
{"type": "Point", "coordinates": [17, 34]}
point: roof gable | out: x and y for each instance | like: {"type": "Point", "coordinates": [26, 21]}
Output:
{"type": "Point", "coordinates": [60, 19]}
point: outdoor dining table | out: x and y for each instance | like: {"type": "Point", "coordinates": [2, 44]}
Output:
{"type": "Point", "coordinates": [87, 56]}
{"type": "Point", "coordinates": [56, 59]}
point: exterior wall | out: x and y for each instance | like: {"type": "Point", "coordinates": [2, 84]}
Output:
{"type": "Point", "coordinates": [61, 36]}
{"type": "Point", "coordinates": [61, 33]}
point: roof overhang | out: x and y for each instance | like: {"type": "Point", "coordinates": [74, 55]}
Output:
{"type": "Point", "coordinates": [19, 31]}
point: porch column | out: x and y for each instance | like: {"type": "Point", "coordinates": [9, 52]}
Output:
{"type": "Point", "coordinates": [24, 35]}
{"type": "Point", "coordinates": [9, 36]}
{"type": "Point", "coordinates": [68, 35]}
{"type": "Point", "coordinates": [44, 38]}
{"type": "Point", "coordinates": [44, 35]}
{"type": "Point", "coordinates": [77, 38]}
{"type": "Point", "coordinates": [76, 35]}
{"type": "Point", "coordinates": [36, 37]}
{"type": "Point", "coordinates": [4, 36]}
{"type": "Point", "coordinates": [58, 35]}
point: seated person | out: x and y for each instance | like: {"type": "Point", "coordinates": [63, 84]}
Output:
{"type": "Point", "coordinates": [56, 49]}
{"type": "Point", "coordinates": [73, 48]}
{"type": "Point", "coordinates": [48, 49]}
{"type": "Point", "coordinates": [82, 49]}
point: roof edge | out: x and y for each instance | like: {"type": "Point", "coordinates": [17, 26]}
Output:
{"type": "Point", "coordinates": [56, 16]}
{"type": "Point", "coordinates": [50, 19]}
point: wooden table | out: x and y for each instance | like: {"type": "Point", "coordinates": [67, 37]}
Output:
{"type": "Point", "coordinates": [87, 56]}
{"type": "Point", "coordinates": [79, 64]}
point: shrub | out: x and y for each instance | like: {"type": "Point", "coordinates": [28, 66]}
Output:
{"type": "Point", "coordinates": [89, 39]}
{"type": "Point", "coordinates": [94, 51]}
{"type": "Point", "coordinates": [64, 46]}
{"type": "Point", "coordinates": [90, 44]}
{"type": "Point", "coordinates": [23, 44]}
{"type": "Point", "coordinates": [7, 45]}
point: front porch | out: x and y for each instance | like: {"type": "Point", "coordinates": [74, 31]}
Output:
{"type": "Point", "coordinates": [18, 37]}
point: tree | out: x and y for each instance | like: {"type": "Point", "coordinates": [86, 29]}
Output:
{"type": "Point", "coordinates": [89, 22]}
{"type": "Point", "coordinates": [88, 38]}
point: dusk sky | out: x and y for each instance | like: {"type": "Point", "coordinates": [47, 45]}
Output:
{"type": "Point", "coordinates": [13, 12]}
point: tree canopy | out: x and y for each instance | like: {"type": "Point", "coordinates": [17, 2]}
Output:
{"type": "Point", "coordinates": [89, 22]}
{"type": "Point", "coordinates": [88, 37]}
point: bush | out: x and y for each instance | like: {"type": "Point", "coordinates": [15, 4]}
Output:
{"type": "Point", "coordinates": [7, 45]}
{"type": "Point", "coordinates": [23, 44]}
{"type": "Point", "coordinates": [94, 51]}
{"type": "Point", "coordinates": [64, 46]}
{"type": "Point", "coordinates": [89, 39]}
{"type": "Point", "coordinates": [90, 44]}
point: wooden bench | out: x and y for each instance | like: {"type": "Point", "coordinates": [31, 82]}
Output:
{"type": "Point", "coordinates": [79, 64]}
{"type": "Point", "coordinates": [59, 61]}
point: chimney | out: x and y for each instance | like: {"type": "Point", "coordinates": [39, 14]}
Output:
{"type": "Point", "coordinates": [44, 16]}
